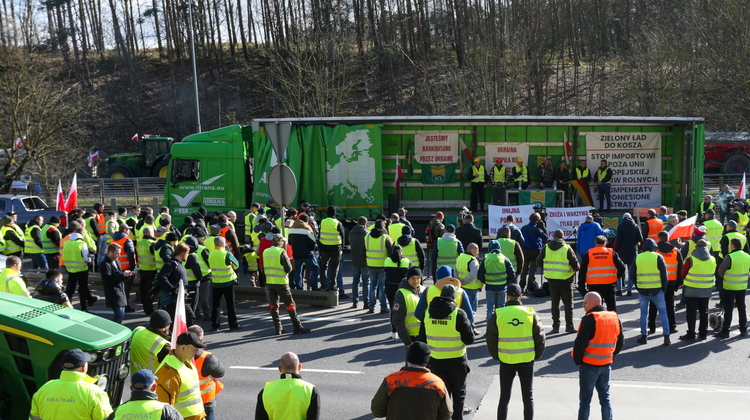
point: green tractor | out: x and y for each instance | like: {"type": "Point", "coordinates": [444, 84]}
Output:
{"type": "Point", "coordinates": [153, 161]}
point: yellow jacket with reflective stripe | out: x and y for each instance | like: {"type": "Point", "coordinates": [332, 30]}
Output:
{"type": "Point", "coordinates": [73, 256]}
{"type": "Point", "coordinates": [701, 273]}
{"type": "Point", "coordinates": [442, 337]}
{"type": "Point", "coordinates": [647, 271]}
{"type": "Point", "coordinates": [10, 246]}
{"type": "Point", "coordinates": [275, 273]}
{"type": "Point", "coordinates": [556, 264]}
{"type": "Point", "coordinates": [411, 322]}
{"type": "Point", "coordinates": [447, 252]}
{"type": "Point", "coordinates": [515, 325]}
{"type": "Point", "coordinates": [494, 270]}
{"type": "Point", "coordinates": [375, 251]}
{"type": "Point", "coordinates": [144, 347]}
{"type": "Point", "coordinates": [498, 175]}
{"type": "Point", "coordinates": [434, 291]}
{"type": "Point", "coordinates": [735, 278]}
{"type": "Point", "coordinates": [47, 245]}
{"type": "Point", "coordinates": [75, 396]}
{"type": "Point", "coordinates": [462, 267]}
{"type": "Point", "coordinates": [395, 230]}
{"type": "Point", "coordinates": [287, 399]}
{"type": "Point", "coordinates": [329, 231]}
{"type": "Point", "coordinates": [146, 257]}
{"type": "Point", "coordinates": [508, 249]}
{"type": "Point", "coordinates": [30, 247]}
{"type": "Point", "coordinates": [11, 282]}
{"type": "Point", "coordinates": [410, 251]}
{"type": "Point", "coordinates": [478, 171]}
{"type": "Point", "coordinates": [713, 233]}
{"type": "Point", "coordinates": [524, 173]}
{"type": "Point", "coordinates": [221, 272]}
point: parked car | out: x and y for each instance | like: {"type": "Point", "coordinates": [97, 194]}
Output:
{"type": "Point", "coordinates": [27, 206]}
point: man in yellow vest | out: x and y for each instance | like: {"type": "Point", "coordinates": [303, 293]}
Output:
{"type": "Point", "coordinates": [405, 304]}
{"type": "Point", "coordinates": [673, 261]}
{"type": "Point", "coordinates": [560, 265]}
{"type": "Point", "coordinates": [209, 370]}
{"type": "Point", "coordinates": [443, 276]}
{"type": "Point", "coordinates": [730, 232]}
{"type": "Point", "coordinates": [478, 179]}
{"type": "Point", "coordinates": [496, 271]}
{"type": "Point", "coordinates": [76, 257]}
{"type": "Point", "coordinates": [599, 340]}
{"type": "Point", "coordinates": [74, 396]}
{"type": "Point", "coordinates": [584, 173]}
{"type": "Point", "coordinates": [447, 330]}
{"type": "Point", "coordinates": [377, 247]}
{"type": "Point", "coordinates": [51, 237]}
{"type": "Point", "coordinates": [223, 278]}
{"type": "Point", "coordinates": [12, 235]}
{"type": "Point", "coordinates": [447, 248]}
{"type": "Point", "coordinates": [705, 205]}
{"type": "Point", "coordinates": [147, 268]}
{"type": "Point", "coordinates": [499, 177]}
{"type": "Point", "coordinates": [698, 274]}
{"type": "Point", "coordinates": [603, 179]}
{"type": "Point", "coordinates": [199, 278]}
{"type": "Point", "coordinates": [10, 278]}
{"type": "Point", "coordinates": [33, 243]}
{"type": "Point", "coordinates": [177, 380]}
{"type": "Point", "coordinates": [515, 337]}
{"type": "Point", "coordinates": [650, 278]}
{"type": "Point", "coordinates": [467, 268]}
{"type": "Point", "coordinates": [288, 397]}
{"type": "Point", "coordinates": [250, 222]}
{"type": "Point", "coordinates": [735, 269]}
{"type": "Point", "coordinates": [330, 244]}
{"type": "Point", "coordinates": [396, 227]}
{"type": "Point", "coordinates": [143, 402]}
{"type": "Point", "coordinates": [520, 174]}
{"type": "Point", "coordinates": [150, 345]}
{"type": "Point", "coordinates": [277, 267]}
{"type": "Point", "coordinates": [714, 229]}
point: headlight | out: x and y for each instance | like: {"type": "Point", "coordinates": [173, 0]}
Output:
{"type": "Point", "coordinates": [102, 382]}
{"type": "Point", "coordinates": [124, 369]}
{"type": "Point", "coordinates": [94, 356]}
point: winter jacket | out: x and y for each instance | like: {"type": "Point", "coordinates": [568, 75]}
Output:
{"type": "Point", "coordinates": [51, 291]}
{"type": "Point", "coordinates": [585, 267]}
{"type": "Point", "coordinates": [534, 236]}
{"type": "Point", "coordinates": [554, 245]}
{"type": "Point", "coordinates": [587, 234]}
{"type": "Point", "coordinates": [112, 283]}
{"type": "Point", "coordinates": [169, 279]}
{"type": "Point", "coordinates": [702, 254]}
{"type": "Point", "coordinates": [586, 332]}
{"type": "Point", "coordinates": [357, 244]}
{"type": "Point", "coordinates": [469, 233]}
{"type": "Point", "coordinates": [412, 393]}
{"type": "Point", "coordinates": [438, 228]}
{"type": "Point", "coordinates": [626, 242]}
{"type": "Point", "coordinates": [537, 331]}
{"type": "Point", "coordinates": [398, 313]}
{"type": "Point", "coordinates": [302, 239]}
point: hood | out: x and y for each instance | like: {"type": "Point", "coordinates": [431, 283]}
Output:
{"type": "Point", "coordinates": [493, 246]}
{"type": "Point", "coordinates": [299, 224]}
{"type": "Point", "coordinates": [586, 226]}
{"type": "Point", "coordinates": [75, 235]}
{"type": "Point", "coordinates": [449, 236]}
{"type": "Point", "coordinates": [192, 243]}
{"type": "Point", "coordinates": [556, 244]}
{"type": "Point", "coordinates": [376, 233]}
{"type": "Point", "coordinates": [702, 253]}
{"type": "Point", "coordinates": [665, 247]}
{"type": "Point", "coordinates": [696, 238]}
{"type": "Point", "coordinates": [441, 307]}
{"type": "Point", "coordinates": [627, 221]}
{"type": "Point", "coordinates": [404, 240]}
{"type": "Point", "coordinates": [160, 243]}
{"type": "Point", "coordinates": [649, 245]}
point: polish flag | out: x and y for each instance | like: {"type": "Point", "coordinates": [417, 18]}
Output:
{"type": "Point", "coordinates": [135, 137]}
{"type": "Point", "coordinates": [179, 325]}
{"type": "Point", "coordinates": [60, 197]}
{"type": "Point", "coordinates": [568, 149]}
{"type": "Point", "coordinates": [399, 176]}
{"type": "Point", "coordinates": [683, 229]}
{"type": "Point", "coordinates": [741, 193]}
{"type": "Point", "coordinates": [72, 201]}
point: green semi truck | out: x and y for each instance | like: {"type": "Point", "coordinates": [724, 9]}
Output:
{"type": "Point", "coordinates": [351, 162]}
{"type": "Point", "coordinates": [34, 336]}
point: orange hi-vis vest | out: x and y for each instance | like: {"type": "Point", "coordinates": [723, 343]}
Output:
{"type": "Point", "coordinates": [602, 269]}
{"type": "Point", "coordinates": [654, 227]}
{"type": "Point", "coordinates": [101, 223]}
{"type": "Point", "coordinates": [62, 244]}
{"type": "Point", "coordinates": [670, 260]}
{"type": "Point", "coordinates": [209, 386]}
{"type": "Point", "coordinates": [123, 257]}
{"type": "Point", "coordinates": [601, 349]}
{"type": "Point", "coordinates": [223, 234]}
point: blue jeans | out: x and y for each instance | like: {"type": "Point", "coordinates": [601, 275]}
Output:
{"type": "Point", "coordinates": [377, 288]}
{"type": "Point", "coordinates": [629, 273]}
{"type": "Point", "coordinates": [363, 274]}
{"type": "Point", "coordinates": [209, 415]}
{"type": "Point", "coordinates": [39, 261]}
{"type": "Point", "coordinates": [495, 299]}
{"type": "Point", "coordinates": [590, 376]}
{"type": "Point", "coordinates": [472, 294]}
{"type": "Point", "coordinates": [661, 307]}
{"type": "Point", "coordinates": [340, 278]}
{"type": "Point", "coordinates": [312, 265]}
{"type": "Point", "coordinates": [119, 314]}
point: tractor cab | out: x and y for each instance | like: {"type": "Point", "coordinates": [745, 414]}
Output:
{"type": "Point", "coordinates": [152, 161]}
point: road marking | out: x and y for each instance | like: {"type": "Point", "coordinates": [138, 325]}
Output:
{"type": "Point", "coordinates": [346, 372]}
{"type": "Point", "coordinates": [679, 388]}
{"type": "Point", "coordinates": [304, 318]}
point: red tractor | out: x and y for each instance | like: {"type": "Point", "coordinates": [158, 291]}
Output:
{"type": "Point", "coordinates": [728, 153]}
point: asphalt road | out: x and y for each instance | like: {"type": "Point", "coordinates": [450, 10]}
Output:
{"type": "Point", "coordinates": [349, 352]}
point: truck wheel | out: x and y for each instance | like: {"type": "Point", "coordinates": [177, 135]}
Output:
{"type": "Point", "coordinates": [736, 162]}
{"type": "Point", "coordinates": [118, 172]}
{"type": "Point", "coordinates": [161, 170]}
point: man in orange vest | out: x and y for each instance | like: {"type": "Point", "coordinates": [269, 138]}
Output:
{"type": "Point", "coordinates": [209, 370]}
{"type": "Point", "coordinates": [600, 269]}
{"type": "Point", "coordinates": [599, 340]}
{"type": "Point", "coordinates": [652, 226]}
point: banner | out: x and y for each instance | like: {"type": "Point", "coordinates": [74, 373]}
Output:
{"type": "Point", "coordinates": [498, 214]}
{"type": "Point", "coordinates": [436, 148]}
{"type": "Point", "coordinates": [566, 219]}
{"type": "Point", "coordinates": [438, 174]}
{"type": "Point", "coordinates": [508, 153]}
{"type": "Point", "coordinates": [548, 198]}
{"type": "Point", "coordinates": [635, 162]}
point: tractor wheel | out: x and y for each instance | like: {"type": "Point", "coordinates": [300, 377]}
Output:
{"type": "Point", "coordinates": [161, 170]}
{"type": "Point", "coordinates": [736, 162]}
{"type": "Point", "coordinates": [118, 172]}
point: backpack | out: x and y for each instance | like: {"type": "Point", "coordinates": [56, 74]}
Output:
{"type": "Point", "coordinates": [429, 234]}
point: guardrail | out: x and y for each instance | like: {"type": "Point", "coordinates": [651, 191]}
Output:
{"type": "Point", "coordinates": [126, 191]}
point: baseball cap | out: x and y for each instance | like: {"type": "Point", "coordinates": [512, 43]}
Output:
{"type": "Point", "coordinates": [477, 160]}
{"type": "Point", "coordinates": [75, 358]}
{"type": "Point", "coordinates": [519, 159]}
{"type": "Point", "coordinates": [142, 379]}
{"type": "Point", "coordinates": [190, 338]}
{"type": "Point", "coordinates": [514, 290]}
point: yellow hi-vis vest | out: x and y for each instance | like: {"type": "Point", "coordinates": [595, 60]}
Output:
{"type": "Point", "coordinates": [409, 251]}
{"type": "Point", "coordinates": [478, 171]}
{"type": "Point", "coordinates": [742, 220]}
{"type": "Point", "coordinates": [701, 273]}
{"type": "Point", "coordinates": [395, 230]}
{"type": "Point", "coordinates": [287, 399]}
{"type": "Point", "coordinates": [221, 272]}
{"type": "Point", "coordinates": [447, 253]}
{"type": "Point", "coordinates": [498, 175]}
{"type": "Point", "coordinates": [47, 245]}
{"type": "Point", "coordinates": [411, 322]}
{"type": "Point", "coordinates": [146, 257]}
{"type": "Point", "coordinates": [442, 338]}
{"type": "Point", "coordinates": [691, 246]}
{"type": "Point", "coordinates": [647, 272]}
{"type": "Point", "coordinates": [515, 337]}
{"type": "Point", "coordinates": [144, 347]}
{"type": "Point", "coordinates": [736, 277]}
{"type": "Point", "coordinates": [508, 249]}
{"type": "Point", "coordinates": [11, 282]}
{"type": "Point", "coordinates": [189, 402]}
{"type": "Point", "coordinates": [556, 265]}
{"type": "Point", "coordinates": [30, 247]}
{"type": "Point", "coordinates": [462, 267]}
{"type": "Point", "coordinates": [523, 170]}
{"type": "Point", "coordinates": [732, 235]}
{"type": "Point", "coordinates": [375, 251]}
{"type": "Point", "coordinates": [582, 174]}
{"type": "Point", "coordinates": [495, 273]}
{"type": "Point", "coordinates": [142, 409]}
{"type": "Point", "coordinates": [601, 173]}
{"type": "Point", "coordinates": [329, 232]}
{"type": "Point", "coordinates": [713, 233]}
{"type": "Point", "coordinates": [114, 226]}
{"type": "Point", "coordinates": [10, 246]}
{"type": "Point", "coordinates": [73, 256]}
{"type": "Point", "coordinates": [275, 273]}
{"type": "Point", "coordinates": [434, 291]}
{"type": "Point", "coordinates": [205, 270]}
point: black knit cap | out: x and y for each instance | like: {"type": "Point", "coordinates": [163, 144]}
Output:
{"type": "Point", "coordinates": [418, 354]}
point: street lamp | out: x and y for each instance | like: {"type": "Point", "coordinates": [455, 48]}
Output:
{"type": "Point", "coordinates": [195, 71]}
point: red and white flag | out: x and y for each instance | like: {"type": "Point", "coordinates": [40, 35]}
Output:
{"type": "Point", "coordinates": [568, 149]}
{"type": "Point", "coordinates": [60, 197]}
{"type": "Point", "coordinates": [72, 201]}
{"type": "Point", "coordinates": [399, 176]}
{"type": "Point", "coordinates": [135, 137]}
{"type": "Point", "coordinates": [179, 324]}
{"type": "Point", "coordinates": [741, 193]}
{"type": "Point", "coordinates": [684, 229]}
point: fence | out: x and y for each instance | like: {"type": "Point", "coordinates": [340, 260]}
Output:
{"type": "Point", "coordinates": [126, 191]}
